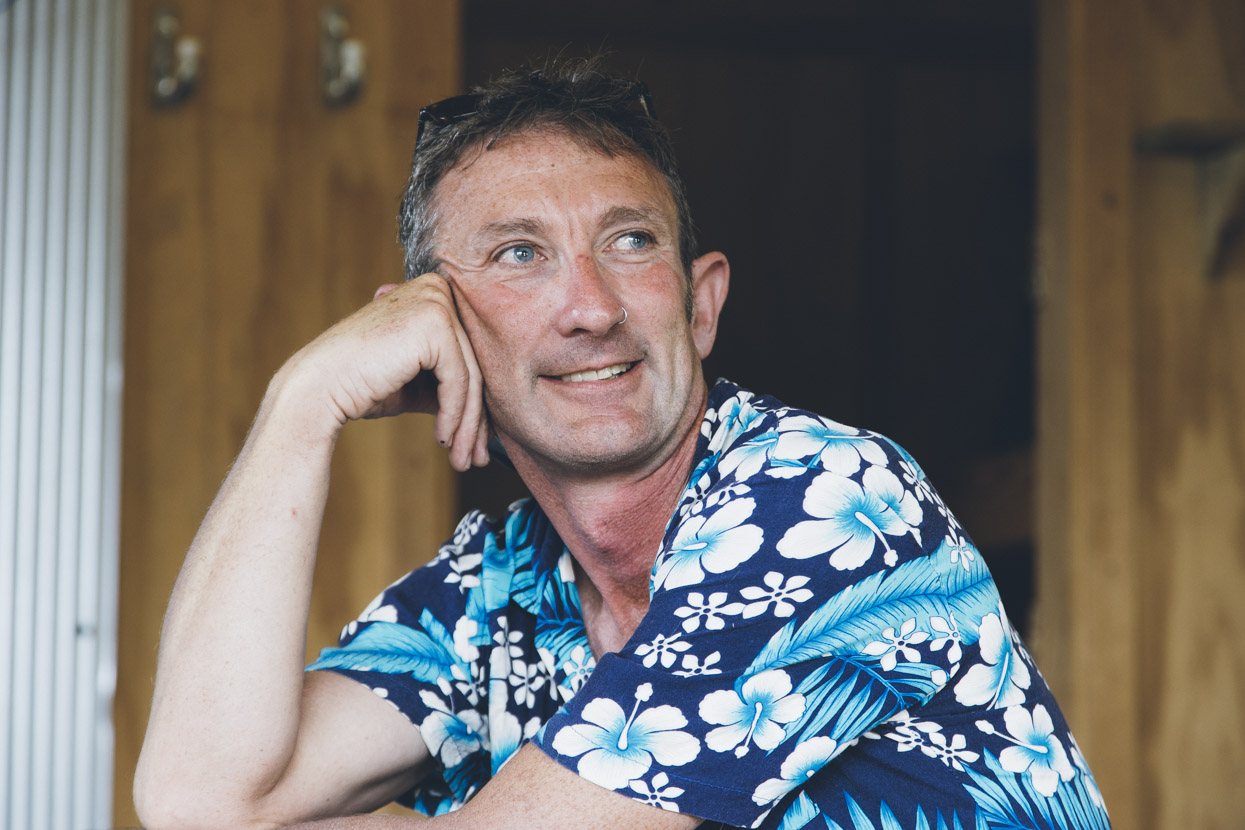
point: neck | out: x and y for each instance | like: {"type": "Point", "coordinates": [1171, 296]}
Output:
{"type": "Point", "coordinates": [613, 525]}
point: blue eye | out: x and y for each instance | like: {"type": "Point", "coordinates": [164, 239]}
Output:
{"type": "Point", "coordinates": [635, 240]}
{"type": "Point", "coordinates": [519, 254]}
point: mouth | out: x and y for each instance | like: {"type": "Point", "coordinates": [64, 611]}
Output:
{"type": "Point", "coordinates": [598, 374]}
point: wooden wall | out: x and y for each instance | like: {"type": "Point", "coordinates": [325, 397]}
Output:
{"type": "Point", "coordinates": [257, 217]}
{"type": "Point", "coordinates": [1141, 513]}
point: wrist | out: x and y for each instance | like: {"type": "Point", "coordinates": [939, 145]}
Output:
{"type": "Point", "coordinates": [297, 399]}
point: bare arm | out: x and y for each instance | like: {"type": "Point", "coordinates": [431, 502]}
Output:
{"type": "Point", "coordinates": [238, 736]}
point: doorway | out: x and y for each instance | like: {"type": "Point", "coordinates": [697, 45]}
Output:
{"type": "Point", "coordinates": [869, 170]}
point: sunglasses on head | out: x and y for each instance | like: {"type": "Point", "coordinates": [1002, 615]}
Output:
{"type": "Point", "coordinates": [459, 107]}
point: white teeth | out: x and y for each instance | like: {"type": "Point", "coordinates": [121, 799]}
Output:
{"type": "Point", "coordinates": [597, 374]}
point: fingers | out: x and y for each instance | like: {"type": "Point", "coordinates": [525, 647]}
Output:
{"type": "Point", "coordinates": [481, 455]}
{"type": "Point", "coordinates": [447, 379]}
{"type": "Point", "coordinates": [460, 398]}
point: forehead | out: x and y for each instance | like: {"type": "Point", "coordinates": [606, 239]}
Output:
{"type": "Point", "coordinates": [533, 174]}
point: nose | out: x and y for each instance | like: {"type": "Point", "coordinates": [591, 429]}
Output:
{"type": "Point", "coordinates": [591, 305]}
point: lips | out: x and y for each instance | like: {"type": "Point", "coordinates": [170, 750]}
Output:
{"type": "Point", "coordinates": [597, 374]}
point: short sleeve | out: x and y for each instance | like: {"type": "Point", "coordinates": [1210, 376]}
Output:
{"type": "Point", "coordinates": [416, 645]}
{"type": "Point", "coordinates": [798, 601]}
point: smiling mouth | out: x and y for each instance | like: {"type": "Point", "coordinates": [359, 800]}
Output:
{"type": "Point", "coordinates": [597, 374]}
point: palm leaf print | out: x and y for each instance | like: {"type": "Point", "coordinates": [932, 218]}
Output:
{"type": "Point", "coordinates": [393, 649]}
{"type": "Point", "coordinates": [856, 614]}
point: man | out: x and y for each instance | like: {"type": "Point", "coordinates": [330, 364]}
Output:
{"type": "Point", "coordinates": [714, 608]}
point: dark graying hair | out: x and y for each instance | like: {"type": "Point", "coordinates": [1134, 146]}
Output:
{"type": "Point", "coordinates": [573, 97]}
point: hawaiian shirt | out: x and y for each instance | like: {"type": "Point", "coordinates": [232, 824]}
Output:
{"type": "Point", "coordinates": [822, 640]}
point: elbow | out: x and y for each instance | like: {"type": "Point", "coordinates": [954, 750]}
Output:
{"type": "Point", "coordinates": [167, 801]}
{"type": "Point", "coordinates": [162, 805]}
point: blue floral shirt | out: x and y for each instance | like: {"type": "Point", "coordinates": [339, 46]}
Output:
{"type": "Point", "coordinates": [822, 640]}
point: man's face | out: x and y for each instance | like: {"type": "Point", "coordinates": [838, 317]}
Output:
{"type": "Point", "coordinates": [545, 243]}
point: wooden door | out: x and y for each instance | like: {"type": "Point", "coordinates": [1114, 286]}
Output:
{"type": "Point", "coordinates": [1141, 623]}
{"type": "Point", "coordinates": [257, 216]}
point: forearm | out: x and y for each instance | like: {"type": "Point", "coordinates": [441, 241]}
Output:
{"type": "Point", "coordinates": [373, 821]}
{"type": "Point", "coordinates": [229, 678]}
{"type": "Point", "coordinates": [231, 741]}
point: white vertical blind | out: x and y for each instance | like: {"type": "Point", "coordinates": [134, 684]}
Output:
{"type": "Point", "coordinates": [62, 115]}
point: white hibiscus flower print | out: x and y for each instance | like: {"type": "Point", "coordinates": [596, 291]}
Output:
{"type": "Point", "coordinates": [527, 681]}
{"type": "Point", "coordinates": [916, 478]}
{"type": "Point", "coordinates": [1037, 751]}
{"type": "Point", "coordinates": [802, 764]}
{"type": "Point", "coordinates": [467, 528]}
{"type": "Point", "coordinates": [953, 753]}
{"type": "Point", "coordinates": [659, 792]}
{"type": "Point", "coordinates": [747, 459]}
{"type": "Point", "coordinates": [893, 645]}
{"type": "Point", "coordinates": [735, 414]}
{"type": "Point", "coordinates": [462, 571]}
{"type": "Point", "coordinates": [577, 667]}
{"type": "Point", "coordinates": [662, 648]}
{"type": "Point", "coordinates": [472, 686]}
{"type": "Point", "coordinates": [692, 666]}
{"type": "Point", "coordinates": [1001, 678]}
{"type": "Point", "coordinates": [837, 448]}
{"type": "Point", "coordinates": [753, 714]}
{"type": "Point", "coordinates": [781, 595]}
{"type": "Point", "coordinates": [960, 549]}
{"type": "Point", "coordinates": [717, 544]}
{"type": "Point", "coordinates": [908, 731]}
{"type": "Point", "coordinates": [710, 611]}
{"type": "Point", "coordinates": [945, 632]}
{"type": "Point", "coordinates": [851, 519]}
{"type": "Point", "coordinates": [886, 486]}
{"type": "Point", "coordinates": [450, 736]}
{"type": "Point", "coordinates": [619, 748]}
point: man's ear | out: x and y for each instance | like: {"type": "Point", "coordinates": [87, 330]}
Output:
{"type": "Point", "coordinates": [711, 277]}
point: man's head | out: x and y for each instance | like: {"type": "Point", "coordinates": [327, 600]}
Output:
{"type": "Point", "coordinates": [575, 99]}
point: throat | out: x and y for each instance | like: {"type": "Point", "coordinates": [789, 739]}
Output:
{"type": "Point", "coordinates": [609, 624]}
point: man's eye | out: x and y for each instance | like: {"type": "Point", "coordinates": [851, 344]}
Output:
{"type": "Point", "coordinates": [635, 240]}
{"type": "Point", "coordinates": [519, 254]}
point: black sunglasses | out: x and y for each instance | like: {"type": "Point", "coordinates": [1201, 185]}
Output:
{"type": "Point", "coordinates": [459, 107]}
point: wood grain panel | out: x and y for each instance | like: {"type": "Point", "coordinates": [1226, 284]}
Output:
{"type": "Point", "coordinates": [1086, 623]}
{"type": "Point", "coordinates": [1141, 511]}
{"type": "Point", "coordinates": [257, 217]}
{"type": "Point", "coordinates": [1192, 429]}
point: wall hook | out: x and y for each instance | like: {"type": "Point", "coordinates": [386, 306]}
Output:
{"type": "Point", "coordinates": [1218, 149]}
{"type": "Point", "coordinates": [341, 58]}
{"type": "Point", "coordinates": [174, 60]}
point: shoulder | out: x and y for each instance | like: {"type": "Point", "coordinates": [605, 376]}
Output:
{"type": "Point", "coordinates": [751, 439]}
{"type": "Point", "coordinates": [789, 484]}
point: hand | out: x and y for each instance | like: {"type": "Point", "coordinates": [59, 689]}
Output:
{"type": "Point", "coordinates": [406, 351]}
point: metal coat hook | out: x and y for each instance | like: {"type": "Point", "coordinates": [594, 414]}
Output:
{"type": "Point", "coordinates": [1218, 149]}
{"type": "Point", "coordinates": [174, 60]}
{"type": "Point", "coordinates": [341, 58]}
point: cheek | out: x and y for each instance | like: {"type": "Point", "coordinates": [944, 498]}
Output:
{"type": "Point", "coordinates": [498, 326]}
{"type": "Point", "coordinates": [658, 287]}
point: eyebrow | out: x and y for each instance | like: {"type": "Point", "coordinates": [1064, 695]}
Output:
{"type": "Point", "coordinates": [507, 227]}
{"type": "Point", "coordinates": [631, 215]}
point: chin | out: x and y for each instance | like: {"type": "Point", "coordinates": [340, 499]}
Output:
{"type": "Point", "coordinates": [602, 450]}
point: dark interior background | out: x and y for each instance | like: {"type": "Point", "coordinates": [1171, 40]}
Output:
{"type": "Point", "coordinates": [868, 168]}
